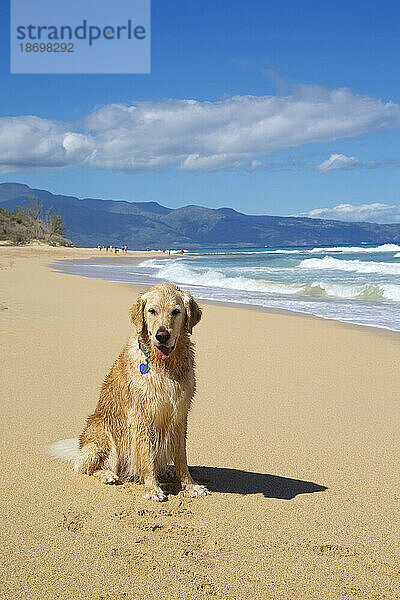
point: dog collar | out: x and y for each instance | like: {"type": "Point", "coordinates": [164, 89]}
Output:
{"type": "Point", "coordinates": [144, 366]}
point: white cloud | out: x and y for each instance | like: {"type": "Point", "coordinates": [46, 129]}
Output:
{"type": "Point", "coordinates": [375, 213]}
{"type": "Point", "coordinates": [338, 161]}
{"type": "Point", "coordinates": [258, 165]}
{"type": "Point", "coordinates": [341, 161]}
{"type": "Point", "coordinates": [30, 142]}
{"type": "Point", "coordinates": [192, 135]}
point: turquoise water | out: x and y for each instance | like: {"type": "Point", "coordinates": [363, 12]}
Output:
{"type": "Point", "coordinates": [353, 284]}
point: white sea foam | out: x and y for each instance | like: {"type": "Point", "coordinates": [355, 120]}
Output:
{"type": "Point", "coordinates": [366, 292]}
{"type": "Point", "coordinates": [213, 278]}
{"type": "Point", "coordinates": [337, 250]}
{"type": "Point", "coordinates": [391, 292]}
{"type": "Point", "coordinates": [181, 273]}
{"type": "Point", "coordinates": [323, 250]}
{"type": "Point", "coordinates": [356, 249]}
{"type": "Point", "coordinates": [355, 266]}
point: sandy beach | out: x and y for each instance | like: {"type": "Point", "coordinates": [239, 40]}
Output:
{"type": "Point", "coordinates": [294, 428]}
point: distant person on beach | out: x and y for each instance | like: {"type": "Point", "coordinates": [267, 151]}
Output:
{"type": "Point", "coordinates": [169, 251]}
{"type": "Point", "coordinates": [181, 251]}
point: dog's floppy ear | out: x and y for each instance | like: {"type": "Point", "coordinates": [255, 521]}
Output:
{"type": "Point", "coordinates": [192, 311]}
{"type": "Point", "coordinates": [136, 313]}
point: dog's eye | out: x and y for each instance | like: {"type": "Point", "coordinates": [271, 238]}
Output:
{"type": "Point", "coordinates": [175, 312]}
{"type": "Point", "coordinates": [152, 311]}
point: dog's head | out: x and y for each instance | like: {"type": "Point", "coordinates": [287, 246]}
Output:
{"type": "Point", "coordinates": [162, 313]}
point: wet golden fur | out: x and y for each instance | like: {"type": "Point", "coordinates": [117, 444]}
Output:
{"type": "Point", "coordinates": [140, 422]}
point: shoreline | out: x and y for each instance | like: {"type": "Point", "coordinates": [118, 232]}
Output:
{"type": "Point", "coordinates": [235, 304]}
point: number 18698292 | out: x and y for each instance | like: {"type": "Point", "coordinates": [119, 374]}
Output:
{"type": "Point", "coordinates": [47, 47]}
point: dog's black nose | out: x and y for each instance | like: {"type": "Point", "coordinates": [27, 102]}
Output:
{"type": "Point", "coordinates": [162, 336]}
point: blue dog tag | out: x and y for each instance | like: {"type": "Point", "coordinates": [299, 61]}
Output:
{"type": "Point", "coordinates": [143, 368]}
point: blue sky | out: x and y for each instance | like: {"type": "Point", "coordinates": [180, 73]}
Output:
{"type": "Point", "coordinates": [297, 108]}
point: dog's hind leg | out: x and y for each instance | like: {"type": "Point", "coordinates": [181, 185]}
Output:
{"type": "Point", "coordinates": [89, 459]}
{"type": "Point", "coordinates": [92, 461]}
{"type": "Point", "coordinates": [95, 456]}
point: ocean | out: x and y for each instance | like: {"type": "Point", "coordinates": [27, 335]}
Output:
{"type": "Point", "coordinates": [358, 285]}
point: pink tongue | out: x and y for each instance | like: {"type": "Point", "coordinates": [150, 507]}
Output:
{"type": "Point", "coordinates": [162, 352]}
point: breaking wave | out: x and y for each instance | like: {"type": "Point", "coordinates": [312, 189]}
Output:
{"type": "Point", "coordinates": [357, 249]}
{"type": "Point", "coordinates": [323, 250]}
{"type": "Point", "coordinates": [355, 266]}
{"type": "Point", "coordinates": [181, 273]}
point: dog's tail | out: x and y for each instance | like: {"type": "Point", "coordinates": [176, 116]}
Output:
{"type": "Point", "coordinates": [65, 449]}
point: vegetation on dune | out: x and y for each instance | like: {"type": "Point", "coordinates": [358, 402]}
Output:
{"type": "Point", "coordinates": [27, 224]}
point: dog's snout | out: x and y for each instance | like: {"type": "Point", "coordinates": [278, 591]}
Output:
{"type": "Point", "coordinates": [162, 335]}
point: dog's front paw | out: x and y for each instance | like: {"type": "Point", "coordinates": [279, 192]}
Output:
{"type": "Point", "coordinates": [155, 493]}
{"type": "Point", "coordinates": [106, 476]}
{"type": "Point", "coordinates": [197, 490]}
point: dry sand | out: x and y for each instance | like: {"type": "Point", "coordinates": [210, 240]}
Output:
{"type": "Point", "coordinates": [286, 407]}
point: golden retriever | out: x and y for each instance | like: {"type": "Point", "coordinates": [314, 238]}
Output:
{"type": "Point", "coordinates": [140, 422]}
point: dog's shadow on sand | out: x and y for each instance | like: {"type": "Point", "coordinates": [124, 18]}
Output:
{"type": "Point", "coordinates": [235, 481]}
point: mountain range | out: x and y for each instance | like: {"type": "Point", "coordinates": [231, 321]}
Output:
{"type": "Point", "coordinates": [92, 221]}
